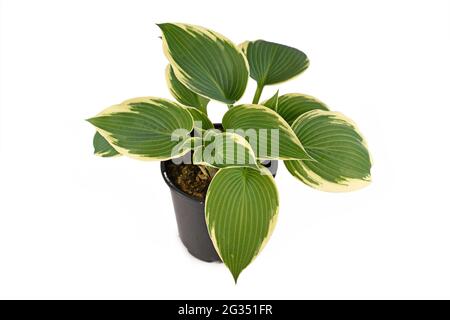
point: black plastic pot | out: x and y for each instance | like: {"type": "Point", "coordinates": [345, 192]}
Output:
{"type": "Point", "coordinates": [190, 215]}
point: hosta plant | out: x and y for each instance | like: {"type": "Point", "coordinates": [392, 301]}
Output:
{"type": "Point", "coordinates": [322, 148]}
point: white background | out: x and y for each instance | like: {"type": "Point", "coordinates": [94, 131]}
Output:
{"type": "Point", "coordinates": [76, 226]}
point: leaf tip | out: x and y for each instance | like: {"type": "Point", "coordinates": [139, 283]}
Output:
{"type": "Point", "coordinates": [93, 121]}
{"type": "Point", "coordinates": [162, 26]}
{"type": "Point", "coordinates": [90, 120]}
{"type": "Point", "coordinates": [235, 276]}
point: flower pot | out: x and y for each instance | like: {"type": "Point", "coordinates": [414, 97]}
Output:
{"type": "Point", "coordinates": [190, 215]}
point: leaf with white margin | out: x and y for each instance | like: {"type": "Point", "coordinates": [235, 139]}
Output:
{"type": "Point", "coordinates": [272, 102]}
{"type": "Point", "coordinates": [201, 120]}
{"type": "Point", "coordinates": [269, 135]}
{"type": "Point", "coordinates": [183, 95]}
{"type": "Point", "coordinates": [146, 128]}
{"type": "Point", "coordinates": [102, 148]}
{"type": "Point", "coordinates": [342, 160]}
{"type": "Point", "coordinates": [292, 105]}
{"type": "Point", "coordinates": [272, 63]}
{"type": "Point", "coordinates": [224, 149]}
{"type": "Point", "coordinates": [241, 212]}
{"type": "Point", "coordinates": [205, 61]}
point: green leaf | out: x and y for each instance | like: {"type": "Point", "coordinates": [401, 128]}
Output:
{"type": "Point", "coordinates": [269, 135]}
{"type": "Point", "coordinates": [272, 102]}
{"type": "Point", "coordinates": [272, 63]}
{"type": "Point", "coordinates": [183, 95]}
{"type": "Point", "coordinates": [292, 105]}
{"type": "Point", "coordinates": [102, 148]}
{"type": "Point", "coordinates": [206, 62]}
{"type": "Point", "coordinates": [342, 161]}
{"type": "Point", "coordinates": [224, 149]}
{"type": "Point", "coordinates": [146, 128]}
{"type": "Point", "coordinates": [201, 120]}
{"type": "Point", "coordinates": [241, 212]}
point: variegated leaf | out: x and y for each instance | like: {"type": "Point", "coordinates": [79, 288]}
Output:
{"type": "Point", "coordinates": [103, 148]}
{"type": "Point", "coordinates": [272, 102]}
{"type": "Point", "coordinates": [292, 105]}
{"type": "Point", "coordinates": [269, 135]}
{"type": "Point", "coordinates": [272, 63]}
{"type": "Point", "coordinates": [342, 161]}
{"type": "Point", "coordinates": [183, 95]}
{"type": "Point", "coordinates": [201, 120]}
{"type": "Point", "coordinates": [205, 61]}
{"type": "Point", "coordinates": [241, 212]}
{"type": "Point", "coordinates": [224, 149]}
{"type": "Point", "coordinates": [146, 128]}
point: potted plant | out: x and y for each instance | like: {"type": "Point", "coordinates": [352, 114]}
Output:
{"type": "Point", "coordinates": [222, 176]}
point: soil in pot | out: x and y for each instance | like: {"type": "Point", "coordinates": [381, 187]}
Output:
{"type": "Point", "coordinates": [189, 178]}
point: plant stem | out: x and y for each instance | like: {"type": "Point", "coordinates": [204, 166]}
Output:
{"type": "Point", "coordinates": [258, 92]}
{"type": "Point", "coordinates": [208, 171]}
{"type": "Point", "coordinates": [212, 171]}
{"type": "Point", "coordinates": [204, 170]}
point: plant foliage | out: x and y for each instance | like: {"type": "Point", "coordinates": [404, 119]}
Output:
{"type": "Point", "coordinates": [322, 148]}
